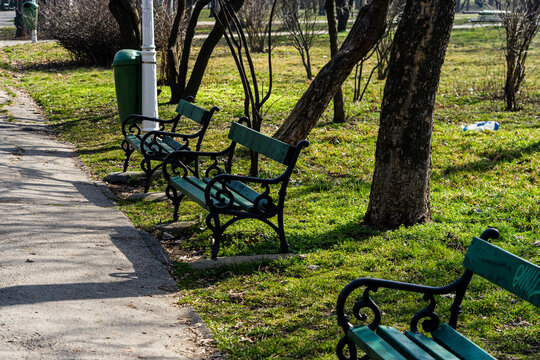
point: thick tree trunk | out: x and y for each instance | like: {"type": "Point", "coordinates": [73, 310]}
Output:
{"type": "Point", "coordinates": [401, 181]}
{"type": "Point", "coordinates": [365, 33]}
{"type": "Point", "coordinates": [339, 105]}
{"type": "Point", "coordinates": [129, 21]}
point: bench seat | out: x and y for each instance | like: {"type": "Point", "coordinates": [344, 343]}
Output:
{"type": "Point", "coordinates": [444, 342]}
{"type": "Point", "coordinates": [388, 343]}
{"type": "Point", "coordinates": [158, 144]}
{"type": "Point", "coordinates": [220, 192]}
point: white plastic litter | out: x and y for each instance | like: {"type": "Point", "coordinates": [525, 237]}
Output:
{"type": "Point", "coordinates": [484, 125]}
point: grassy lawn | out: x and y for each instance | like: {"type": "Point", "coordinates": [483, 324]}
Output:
{"type": "Point", "coordinates": [285, 309]}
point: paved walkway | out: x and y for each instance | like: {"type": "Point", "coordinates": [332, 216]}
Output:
{"type": "Point", "coordinates": [77, 280]}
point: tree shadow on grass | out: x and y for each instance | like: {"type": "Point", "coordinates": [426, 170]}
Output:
{"type": "Point", "coordinates": [491, 159]}
{"type": "Point", "coordinates": [188, 278]}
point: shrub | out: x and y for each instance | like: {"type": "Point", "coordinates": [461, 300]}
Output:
{"type": "Point", "coordinates": [85, 28]}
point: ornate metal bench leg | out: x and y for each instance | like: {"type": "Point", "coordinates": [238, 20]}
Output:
{"type": "Point", "coordinates": [212, 221]}
{"type": "Point", "coordinates": [173, 195]}
{"type": "Point", "coordinates": [284, 246]}
{"type": "Point", "coordinates": [340, 350]}
{"type": "Point", "coordinates": [146, 166]}
{"type": "Point", "coordinates": [128, 150]}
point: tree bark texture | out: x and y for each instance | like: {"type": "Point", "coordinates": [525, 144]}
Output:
{"type": "Point", "coordinates": [401, 181]}
{"type": "Point", "coordinates": [343, 10]}
{"type": "Point", "coordinates": [173, 66]}
{"type": "Point", "coordinates": [205, 52]}
{"type": "Point", "coordinates": [178, 68]}
{"type": "Point", "coordinates": [129, 22]}
{"type": "Point", "coordinates": [339, 105]}
{"type": "Point", "coordinates": [366, 31]}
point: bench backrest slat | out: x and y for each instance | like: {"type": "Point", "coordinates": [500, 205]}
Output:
{"type": "Point", "coordinates": [262, 144]}
{"type": "Point", "coordinates": [193, 112]}
{"type": "Point", "coordinates": [507, 270]}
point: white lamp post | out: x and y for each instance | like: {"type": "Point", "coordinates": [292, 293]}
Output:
{"type": "Point", "coordinates": [149, 78]}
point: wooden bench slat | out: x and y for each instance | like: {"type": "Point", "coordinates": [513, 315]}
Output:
{"type": "Point", "coordinates": [372, 344]}
{"type": "Point", "coordinates": [134, 141]}
{"type": "Point", "coordinates": [192, 112]}
{"type": "Point", "coordinates": [238, 199]}
{"type": "Point", "coordinates": [168, 145]}
{"type": "Point", "coordinates": [194, 188]}
{"type": "Point", "coordinates": [193, 192]}
{"type": "Point", "coordinates": [175, 145]}
{"type": "Point", "coordinates": [244, 191]}
{"type": "Point", "coordinates": [505, 269]}
{"type": "Point", "coordinates": [459, 344]}
{"type": "Point", "coordinates": [430, 346]}
{"type": "Point", "coordinates": [402, 343]}
{"type": "Point", "coordinates": [260, 143]}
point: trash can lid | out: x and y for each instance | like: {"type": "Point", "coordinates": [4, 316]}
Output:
{"type": "Point", "coordinates": [30, 4]}
{"type": "Point", "coordinates": [127, 57]}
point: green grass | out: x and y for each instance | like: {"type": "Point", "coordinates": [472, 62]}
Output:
{"type": "Point", "coordinates": [285, 309]}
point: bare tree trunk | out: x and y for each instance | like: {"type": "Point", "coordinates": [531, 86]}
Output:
{"type": "Point", "coordinates": [178, 68]}
{"type": "Point", "coordinates": [401, 181]}
{"type": "Point", "coordinates": [129, 21]}
{"type": "Point", "coordinates": [339, 106]}
{"type": "Point", "coordinates": [19, 32]}
{"type": "Point", "coordinates": [173, 66]}
{"type": "Point", "coordinates": [206, 51]}
{"type": "Point", "coordinates": [365, 33]}
{"type": "Point", "coordinates": [343, 10]}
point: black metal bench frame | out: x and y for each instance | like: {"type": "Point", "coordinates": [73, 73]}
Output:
{"type": "Point", "coordinates": [220, 192]}
{"type": "Point", "coordinates": [382, 342]}
{"type": "Point", "coordinates": [159, 144]}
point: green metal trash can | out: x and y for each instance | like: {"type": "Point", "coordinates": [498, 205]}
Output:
{"type": "Point", "coordinates": [30, 15]}
{"type": "Point", "coordinates": [127, 82]}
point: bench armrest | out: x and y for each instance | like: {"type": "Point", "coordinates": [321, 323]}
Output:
{"type": "Point", "coordinates": [262, 203]}
{"type": "Point", "coordinates": [151, 146]}
{"type": "Point", "coordinates": [130, 124]}
{"type": "Point", "coordinates": [175, 164]}
{"type": "Point", "coordinates": [372, 285]}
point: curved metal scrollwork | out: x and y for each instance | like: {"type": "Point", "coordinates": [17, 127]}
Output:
{"type": "Point", "coordinates": [264, 203]}
{"type": "Point", "coordinates": [178, 168]}
{"type": "Point", "coordinates": [225, 198]}
{"type": "Point", "coordinates": [340, 349]}
{"type": "Point", "coordinates": [433, 320]}
{"type": "Point", "coordinates": [367, 302]}
{"type": "Point", "coordinates": [153, 147]}
{"type": "Point", "coordinates": [213, 170]}
{"type": "Point", "coordinates": [133, 129]}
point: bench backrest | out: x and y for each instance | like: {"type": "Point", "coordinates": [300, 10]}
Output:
{"type": "Point", "coordinates": [193, 112]}
{"type": "Point", "coordinates": [505, 269]}
{"type": "Point", "coordinates": [262, 144]}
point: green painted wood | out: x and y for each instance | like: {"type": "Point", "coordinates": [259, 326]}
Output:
{"type": "Point", "coordinates": [175, 145]}
{"type": "Point", "coordinates": [242, 190]}
{"type": "Point", "coordinates": [505, 269]}
{"type": "Point", "coordinates": [430, 346]}
{"type": "Point", "coordinates": [403, 344]}
{"type": "Point", "coordinates": [134, 141]}
{"type": "Point", "coordinates": [192, 112]}
{"type": "Point", "coordinates": [459, 344]}
{"type": "Point", "coordinates": [260, 143]}
{"type": "Point", "coordinates": [240, 200]}
{"type": "Point", "coordinates": [194, 189]}
{"type": "Point", "coordinates": [372, 344]}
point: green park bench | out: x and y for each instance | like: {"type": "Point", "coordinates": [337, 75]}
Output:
{"type": "Point", "coordinates": [502, 268]}
{"type": "Point", "coordinates": [158, 144]}
{"type": "Point", "coordinates": [220, 192]}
